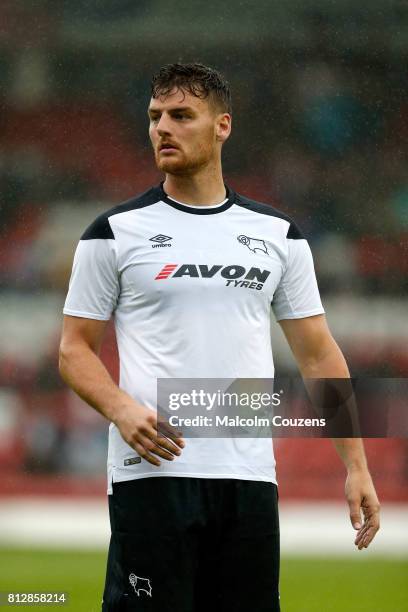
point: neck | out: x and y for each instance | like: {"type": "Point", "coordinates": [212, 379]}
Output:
{"type": "Point", "coordinates": [204, 187]}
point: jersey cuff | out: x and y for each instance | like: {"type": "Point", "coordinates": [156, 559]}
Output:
{"type": "Point", "coordinates": [86, 315]}
{"type": "Point", "coordinates": [300, 315]}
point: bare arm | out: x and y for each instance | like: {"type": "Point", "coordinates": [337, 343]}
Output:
{"type": "Point", "coordinates": [84, 372]}
{"type": "Point", "coordinates": [318, 356]}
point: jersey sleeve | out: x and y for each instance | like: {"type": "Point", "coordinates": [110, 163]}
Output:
{"type": "Point", "coordinates": [297, 295]}
{"type": "Point", "coordinates": [94, 285]}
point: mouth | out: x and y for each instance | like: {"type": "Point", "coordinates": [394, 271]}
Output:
{"type": "Point", "coordinates": [167, 147]}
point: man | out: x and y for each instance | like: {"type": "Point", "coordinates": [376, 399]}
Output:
{"type": "Point", "coordinates": [194, 522]}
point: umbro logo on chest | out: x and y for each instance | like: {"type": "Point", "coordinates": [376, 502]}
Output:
{"type": "Point", "coordinates": [161, 240]}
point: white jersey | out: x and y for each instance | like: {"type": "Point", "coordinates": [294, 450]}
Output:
{"type": "Point", "coordinates": [191, 289]}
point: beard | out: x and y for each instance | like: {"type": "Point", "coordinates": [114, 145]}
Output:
{"type": "Point", "coordinates": [180, 164]}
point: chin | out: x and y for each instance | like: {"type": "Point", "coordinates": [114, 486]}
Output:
{"type": "Point", "coordinates": [172, 166]}
{"type": "Point", "coordinates": [178, 167]}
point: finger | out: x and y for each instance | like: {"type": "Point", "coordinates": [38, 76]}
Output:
{"type": "Point", "coordinates": [156, 449]}
{"type": "Point", "coordinates": [360, 541]}
{"type": "Point", "coordinates": [361, 533]}
{"type": "Point", "coordinates": [363, 529]}
{"type": "Point", "coordinates": [170, 444]}
{"type": "Point", "coordinates": [365, 542]}
{"type": "Point", "coordinates": [369, 538]}
{"type": "Point", "coordinates": [360, 537]}
{"type": "Point", "coordinates": [370, 534]}
{"type": "Point", "coordinates": [164, 429]}
{"type": "Point", "coordinates": [355, 514]}
{"type": "Point", "coordinates": [162, 444]}
{"type": "Point", "coordinates": [367, 525]}
{"type": "Point", "coordinates": [159, 423]}
{"type": "Point", "coordinates": [375, 519]}
{"type": "Point", "coordinates": [366, 537]}
{"type": "Point", "coordinates": [162, 441]}
{"type": "Point", "coordinates": [371, 526]}
{"type": "Point", "coordinates": [140, 449]}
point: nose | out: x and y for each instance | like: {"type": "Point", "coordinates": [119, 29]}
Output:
{"type": "Point", "coordinates": [163, 125]}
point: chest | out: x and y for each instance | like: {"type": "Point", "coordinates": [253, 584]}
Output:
{"type": "Point", "coordinates": [209, 257]}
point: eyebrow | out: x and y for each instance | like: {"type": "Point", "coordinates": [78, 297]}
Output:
{"type": "Point", "coordinates": [178, 109]}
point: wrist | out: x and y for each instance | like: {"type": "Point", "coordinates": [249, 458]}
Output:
{"type": "Point", "coordinates": [357, 466]}
{"type": "Point", "coordinates": [120, 409]}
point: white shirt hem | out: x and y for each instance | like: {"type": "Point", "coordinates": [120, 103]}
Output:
{"type": "Point", "coordinates": [189, 475]}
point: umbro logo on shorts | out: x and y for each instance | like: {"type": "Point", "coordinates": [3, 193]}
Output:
{"type": "Point", "coordinates": [161, 240]}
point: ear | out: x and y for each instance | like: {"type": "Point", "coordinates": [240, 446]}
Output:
{"type": "Point", "coordinates": [223, 127]}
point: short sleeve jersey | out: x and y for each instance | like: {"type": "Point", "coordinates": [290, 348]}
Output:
{"type": "Point", "coordinates": [191, 289]}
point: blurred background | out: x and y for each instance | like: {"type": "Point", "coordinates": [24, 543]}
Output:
{"type": "Point", "coordinates": [320, 116]}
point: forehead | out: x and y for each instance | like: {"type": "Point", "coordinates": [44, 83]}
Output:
{"type": "Point", "coordinates": [178, 98]}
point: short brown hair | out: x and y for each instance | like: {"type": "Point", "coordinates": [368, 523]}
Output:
{"type": "Point", "coordinates": [196, 79]}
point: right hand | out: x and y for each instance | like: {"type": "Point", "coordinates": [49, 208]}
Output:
{"type": "Point", "coordinates": [138, 427]}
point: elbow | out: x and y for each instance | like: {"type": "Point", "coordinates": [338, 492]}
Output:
{"type": "Point", "coordinates": [65, 356]}
{"type": "Point", "coordinates": [310, 368]}
{"type": "Point", "coordinates": [327, 364]}
{"type": "Point", "coordinates": [62, 359]}
{"type": "Point", "coordinates": [71, 354]}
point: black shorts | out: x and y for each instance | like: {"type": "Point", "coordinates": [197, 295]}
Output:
{"type": "Point", "coordinates": [193, 545]}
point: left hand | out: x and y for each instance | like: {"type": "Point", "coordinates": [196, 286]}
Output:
{"type": "Point", "coordinates": [361, 496]}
